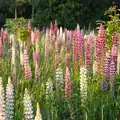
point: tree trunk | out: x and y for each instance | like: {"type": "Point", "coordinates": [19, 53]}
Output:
{"type": "Point", "coordinates": [15, 12]}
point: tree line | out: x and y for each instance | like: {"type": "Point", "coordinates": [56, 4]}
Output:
{"type": "Point", "coordinates": [67, 12]}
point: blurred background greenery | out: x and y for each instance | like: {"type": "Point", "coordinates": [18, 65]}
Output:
{"type": "Point", "coordinates": [67, 12]}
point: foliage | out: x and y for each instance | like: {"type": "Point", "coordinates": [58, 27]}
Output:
{"type": "Point", "coordinates": [112, 25]}
{"type": "Point", "coordinates": [18, 26]}
{"type": "Point", "coordinates": [2, 20]}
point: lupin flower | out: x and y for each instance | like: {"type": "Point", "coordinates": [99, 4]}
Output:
{"type": "Point", "coordinates": [9, 101]}
{"type": "Point", "coordinates": [32, 37]}
{"type": "Point", "coordinates": [55, 27]}
{"type": "Point", "coordinates": [29, 25]}
{"type": "Point", "coordinates": [2, 101]}
{"type": "Point", "coordinates": [38, 113]}
{"type": "Point", "coordinates": [83, 85]}
{"type": "Point", "coordinates": [28, 108]}
{"type": "Point", "coordinates": [5, 36]}
{"type": "Point", "coordinates": [75, 50]}
{"type": "Point", "coordinates": [88, 53]}
{"type": "Point", "coordinates": [58, 45]}
{"type": "Point", "coordinates": [67, 60]}
{"type": "Point", "coordinates": [102, 45]}
{"type": "Point", "coordinates": [81, 49]}
{"type": "Point", "coordinates": [100, 50]}
{"type": "Point", "coordinates": [47, 42]}
{"type": "Point", "coordinates": [57, 60]}
{"type": "Point", "coordinates": [1, 51]}
{"type": "Point", "coordinates": [112, 70]}
{"type": "Point", "coordinates": [107, 67]}
{"type": "Point", "coordinates": [49, 89]}
{"type": "Point", "coordinates": [27, 68]}
{"type": "Point", "coordinates": [59, 78]}
{"type": "Point", "coordinates": [115, 39]}
{"type": "Point", "coordinates": [112, 76]}
{"type": "Point", "coordinates": [2, 30]}
{"type": "Point", "coordinates": [114, 54]}
{"type": "Point", "coordinates": [67, 84]}
{"type": "Point", "coordinates": [98, 53]}
{"type": "Point", "coordinates": [35, 57]}
{"type": "Point", "coordinates": [37, 46]}
{"type": "Point", "coordinates": [37, 72]}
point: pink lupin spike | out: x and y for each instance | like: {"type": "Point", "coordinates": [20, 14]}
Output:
{"type": "Point", "coordinates": [1, 52]}
{"type": "Point", "coordinates": [5, 36]}
{"type": "Point", "coordinates": [67, 84]}
{"type": "Point", "coordinates": [88, 53]}
{"type": "Point", "coordinates": [67, 60]}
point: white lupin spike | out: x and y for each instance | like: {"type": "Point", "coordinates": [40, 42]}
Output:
{"type": "Point", "coordinates": [83, 85]}
{"type": "Point", "coordinates": [2, 101]}
{"type": "Point", "coordinates": [59, 78]}
{"type": "Point", "coordinates": [94, 67]}
{"type": "Point", "coordinates": [32, 36]}
{"type": "Point", "coordinates": [38, 113]}
{"type": "Point", "coordinates": [28, 109]}
{"type": "Point", "coordinates": [78, 27]}
{"type": "Point", "coordinates": [58, 32]}
{"type": "Point", "coordinates": [61, 32]}
{"type": "Point", "coordinates": [49, 89]}
{"type": "Point", "coordinates": [63, 38]}
{"type": "Point", "coordinates": [9, 101]}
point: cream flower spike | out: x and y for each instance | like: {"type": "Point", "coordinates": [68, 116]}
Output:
{"type": "Point", "coordinates": [38, 113]}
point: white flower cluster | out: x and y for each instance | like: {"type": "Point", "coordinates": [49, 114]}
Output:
{"type": "Point", "coordinates": [83, 85]}
{"type": "Point", "coordinates": [2, 101]}
{"type": "Point", "coordinates": [59, 79]}
{"type": "Point", "coordinates": [28, 109]}
{"type": "Point", "coordinates": [38, 113]}
{"type": "Point", "coordinates": [9, 100]}
{"type": "Point", "coordinates": [49, 89]}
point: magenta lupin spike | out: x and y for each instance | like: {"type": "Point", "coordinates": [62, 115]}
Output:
{"type": "Point", "coordinates": [67, 84]}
